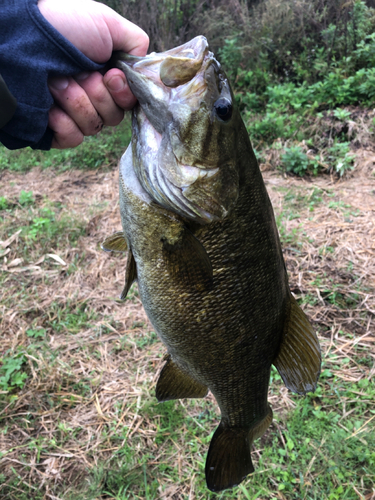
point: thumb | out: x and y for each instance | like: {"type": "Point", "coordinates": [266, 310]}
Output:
{"type": "Point", "coordinates": [118, 87]}
{"type": "Point", "coordinates": [126, 36]}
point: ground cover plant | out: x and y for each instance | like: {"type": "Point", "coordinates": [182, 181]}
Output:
{"type": "Point", "coordinates": [96, 151]}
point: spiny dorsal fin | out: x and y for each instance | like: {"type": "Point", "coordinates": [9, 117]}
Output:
{"type": "Point", "coordinates": [188, 261]}
{"type": "Point", "coordinates": [115, 243]}
{"type": "Point", "coordinates": [299, 359]}
{"type": "Point", "coordinates": [130, 275]}
{"type": "Point", "coordinates": [173, 383]}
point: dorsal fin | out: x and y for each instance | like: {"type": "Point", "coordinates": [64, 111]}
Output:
{"type": "Point", "coordinates": [299, 359]}
{"type": "Point", "coordinates": [115, 243]}
{"type": "Point", "coordinates": [130, 274]}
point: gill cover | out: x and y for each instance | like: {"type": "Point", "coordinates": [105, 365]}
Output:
{"type": "Point", "coordinates": [184, 130]}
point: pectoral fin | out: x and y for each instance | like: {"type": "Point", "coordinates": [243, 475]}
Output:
{"type": "Point", "coordinates": [115, 243]}
{"type": "Point", "coordinates": [130, 275]}
{"type": "Point", "coordinates": [173, 383]}
{"type": "Point", "coordinates": [299, 359]}
{"type": "Point", "coordinates": [188, 261]}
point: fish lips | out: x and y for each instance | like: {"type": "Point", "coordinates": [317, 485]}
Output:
{"type": "Point", "coordinates": [152, 77]}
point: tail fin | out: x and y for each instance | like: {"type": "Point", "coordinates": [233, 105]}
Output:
{"type": "Point", "coordinates": [229, 459]}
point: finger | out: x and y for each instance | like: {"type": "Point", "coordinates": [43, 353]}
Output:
{"type": "Point", "coordinates": [126, 36]}
{"type": "Point", "coordinates": [116, 83]}
{"type": "Point", "coordinates": [73, 99]}
{"type": "Point", "coordinates": [66, 132]}
{"type": "Point", "coordinates": [100, 97]}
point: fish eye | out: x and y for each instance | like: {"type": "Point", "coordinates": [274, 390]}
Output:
{"type": "Point", "coordinates": [223, 108]}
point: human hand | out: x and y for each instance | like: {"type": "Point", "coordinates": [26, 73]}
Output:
{"type": "Point", "coordinates": [90, 100]}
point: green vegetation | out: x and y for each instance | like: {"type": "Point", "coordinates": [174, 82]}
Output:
{"type": "Point", "coordinates": [101, 150]}
{"type": "Point", "coordinates": [12, 375]}
{"type": "Point", "coordinates": [295, 74]}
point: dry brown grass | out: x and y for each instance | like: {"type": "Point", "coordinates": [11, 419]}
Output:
{"type": "Point", "coordinates": [83, 387]}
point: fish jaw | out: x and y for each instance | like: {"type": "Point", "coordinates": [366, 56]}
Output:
{"type": "Point", "coordinates": [199, 194]}
{"type": "Point", "coordinates": [185, 151]}
{"type": "Point", "coordinates": [152, 77]}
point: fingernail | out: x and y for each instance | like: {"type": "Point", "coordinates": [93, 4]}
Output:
{"type": "Point", "coordinates": [59, 83]}
{"type": "Point", "coordinates": [82, 76]}
{"type": "Point", "coordinates": [116, 83]}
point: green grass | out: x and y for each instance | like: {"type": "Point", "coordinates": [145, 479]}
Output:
{"type": "Point", "coordinates": [69, 317]}
{"type": "Point", "coordinates": [101, 150]}
{"type": "Point", "coordinates": [325, 449]}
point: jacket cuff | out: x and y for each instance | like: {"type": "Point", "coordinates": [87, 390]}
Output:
{"type": "Point", "coordinates": [32, 51]}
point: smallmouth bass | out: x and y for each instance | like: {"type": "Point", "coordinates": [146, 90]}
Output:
{"type": "Point", "coordinates": [203, 246]}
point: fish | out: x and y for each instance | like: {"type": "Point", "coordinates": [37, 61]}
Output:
{"type": "Point", "coordinates": [203, 246]}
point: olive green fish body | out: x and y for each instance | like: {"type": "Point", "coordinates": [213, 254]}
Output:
{"type": "Point", "coordinates": [212, 280]}
{"type": "Point", "coordinates": [226, 337]}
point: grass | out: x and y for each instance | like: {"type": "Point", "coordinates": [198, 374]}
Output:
{"type": "Point", "coordinates": [102, 149]}
{"type": "Point", "coordinates": [78, 416]}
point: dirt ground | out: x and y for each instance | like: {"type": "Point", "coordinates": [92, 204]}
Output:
{"type": "Point", "coordinates": [328, 233]}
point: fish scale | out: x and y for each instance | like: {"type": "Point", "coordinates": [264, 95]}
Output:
{"type": "Point", "coordinates": [213, 283]}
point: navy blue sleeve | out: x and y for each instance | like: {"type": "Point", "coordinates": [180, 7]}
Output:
{"type": "Point", "coordinates": [31, 50]}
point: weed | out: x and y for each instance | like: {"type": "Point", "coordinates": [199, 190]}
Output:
{"type": "Point", "coordinates": [26, 198]}
{"type": "Point", "coordinates": [46, 227]}
{"type": "Point", "coordinates": [37, 333]}
{"type": "Point", "coordinates": [70, 317]}
{"type": "Point", "coordinates": [339, 154]}
{"type": "Point", "coordinates": [3, 203]}
{"type": "Point", "coordinates": [101, 150]}
{"type": "Point", "coordinates": [40, 226]}
{"type": "Point", "coordinates": [12, 374]}
{"type": "Point", "coordinates": [297, 162]}
{"type": "Point", "coordinates": [288, 237]}
{"type": "Point", "coordinates": [341, 114]}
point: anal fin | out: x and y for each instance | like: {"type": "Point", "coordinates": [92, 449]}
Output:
{"type": "Point", "coordinates": [173, 383]}
{"type": "Point", "coordinates": [130, 274]}
{"type": "Point", "coordinates": [299, 358]}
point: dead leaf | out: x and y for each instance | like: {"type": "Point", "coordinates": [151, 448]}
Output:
{"type": "Point", "coordinates": [15, 262]}
{"type": "Point", "coordinates": [56, 258]}
{"type": "Point", "coordinates": [10, 240]}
